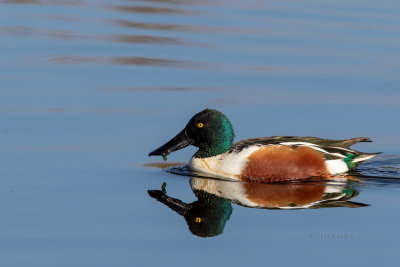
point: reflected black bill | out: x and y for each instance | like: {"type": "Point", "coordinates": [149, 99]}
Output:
{"type": "Point", "coordinates": [175, 204]}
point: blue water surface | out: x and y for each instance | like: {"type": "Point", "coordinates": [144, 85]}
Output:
{"type": "Point", "coordinates": [88, 88]}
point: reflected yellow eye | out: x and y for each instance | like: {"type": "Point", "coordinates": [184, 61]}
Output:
{"type": "Point", "coordinates": [200, 125]}
{"type": "Point", "coordinates": [197, 220]}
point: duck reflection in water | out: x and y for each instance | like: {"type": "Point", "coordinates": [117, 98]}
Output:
{"type": "Point", "coordinates": [207, 216]}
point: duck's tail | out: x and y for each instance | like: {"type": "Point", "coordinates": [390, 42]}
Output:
{"type": "Point", "coordinates": [349, 142]}
{"type": "Point", "coordinates": [354, 158]}
{"type": "Point", "coordinates": [362, 157]}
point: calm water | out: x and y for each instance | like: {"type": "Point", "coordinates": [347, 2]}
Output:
{"type": "Point", "coordinates": [88, 88]}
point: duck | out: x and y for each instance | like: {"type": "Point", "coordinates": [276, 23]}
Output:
{"type": "Point", "coordinates": [265, 159]}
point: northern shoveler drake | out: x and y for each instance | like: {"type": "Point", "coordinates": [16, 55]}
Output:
{"type": "Point", "coordinates": [267, 159]}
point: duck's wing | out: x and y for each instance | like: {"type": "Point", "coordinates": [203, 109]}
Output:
{"type": "Point", "coordinates": [327, 142]}
{"type": "Point", "coordinates": [274, 140]}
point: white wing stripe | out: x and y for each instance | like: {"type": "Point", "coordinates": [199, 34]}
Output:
{"type": "Point", "coordinates": [314, 146]}
{"type": "Point", "coordinates": [310, 145]}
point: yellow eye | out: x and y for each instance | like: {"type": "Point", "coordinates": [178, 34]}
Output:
{"type": "Point", "coordinates": [197, 220]}
{"type": "Point", "coordinates": [200, 125]}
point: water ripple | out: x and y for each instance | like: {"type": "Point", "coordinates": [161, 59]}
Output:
{"type": "Point", "coordinates": [187, 28]}
{"type": "Point", "coordinates": [164, 89]}
{"type": "Point", "coordinates": [147, 39]}
{"type": "Point", "coordinates": [44, 2]}
{"type": "Point", "coordinates": [159, 62]}
{"type": "Point", "coordinates": [152, 10]}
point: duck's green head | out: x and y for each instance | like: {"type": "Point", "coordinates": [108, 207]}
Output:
{"type": "Point", "coordinates": [209, 130]}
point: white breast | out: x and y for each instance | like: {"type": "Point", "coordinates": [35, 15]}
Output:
{"type": "Point", "coordinates": [229, 165]}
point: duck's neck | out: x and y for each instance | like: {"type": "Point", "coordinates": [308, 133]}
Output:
{"type": "Point", "coordinates": [211, 151]}
{"type": "Point", "coordinates": [216, 147]}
